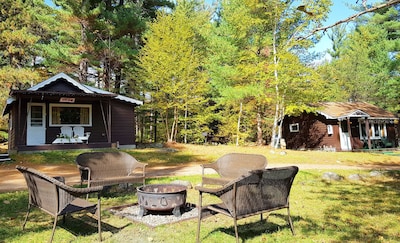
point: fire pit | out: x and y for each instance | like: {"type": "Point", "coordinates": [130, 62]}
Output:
{"type": "Point", "coordinates": [161, 197]}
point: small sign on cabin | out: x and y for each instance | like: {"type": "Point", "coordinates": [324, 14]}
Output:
{"type": "Point", "coordinates": [67, 100]}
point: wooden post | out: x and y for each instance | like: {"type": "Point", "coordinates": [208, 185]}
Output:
{"type": "Point", "coordinates": [367, 132]}
{"type": "Point", "coordinates": [349, 131]}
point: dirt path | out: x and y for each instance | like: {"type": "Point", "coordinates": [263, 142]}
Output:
{"type": "Point", "coordinates": [11, 180]}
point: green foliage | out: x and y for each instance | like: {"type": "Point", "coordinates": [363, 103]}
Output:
{"type": "Point", "coordinates": [233, 76]}
{"type": "Point", "coordinates": [170, 65]}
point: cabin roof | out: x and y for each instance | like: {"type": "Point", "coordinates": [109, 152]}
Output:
{"type": "Point", "coordinates": [78, 90]}
{"type": "Point", "coordinates": [340, 110]}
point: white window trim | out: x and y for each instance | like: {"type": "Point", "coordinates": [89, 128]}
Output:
{"type": "Point", "coordinates": [294, 127]}
{"type": "Point", "coordinates": [51, 105]}
{"type": "Point", "coordinates": [329, 128]}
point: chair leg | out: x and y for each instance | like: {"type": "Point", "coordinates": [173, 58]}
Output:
{"type": "Point", "coordinates": [54, 228]}
{"type": "Point", "coordinates": [199, 206]}
{"type": "Point", "coordinates": [236, 230]}
{"type": "Point", "coordinates": [98, 214]}
{"type": "Point", "coordinates": [290, 222]}
{"type": "Point", "coordinates": [26, 216]}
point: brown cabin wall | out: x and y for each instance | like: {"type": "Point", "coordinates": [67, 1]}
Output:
{"type": "Point", "coordinates": [312, 134]}
{"type": "Point", "coordinates": [123, 121]}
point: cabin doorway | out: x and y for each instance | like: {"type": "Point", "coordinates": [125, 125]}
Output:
{"type": "Point", "coordinates": [345, 142]}
{"type": "Point", "coordinates": [36, 124]}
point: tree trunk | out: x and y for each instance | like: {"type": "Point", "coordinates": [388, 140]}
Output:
{"type": "Point", "coordinates": [238, 124]}
{"type": "Point", "coordinates": [186, 114]}
{"type": "Point", "coordinates": [118, 78]}
{"type": "Point", "coordinates": [83, 70]}
{"type": "Point", "coordinates": [259, 129]}
{"type": "Point", "coordinates": [278, 106]}
{"type": "Point", "coordinates": [106, 74]}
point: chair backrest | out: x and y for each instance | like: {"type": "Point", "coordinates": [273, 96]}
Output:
{"type": "Point", "coordinates": [79, 131]}
{"type": "Point", "coordinates": [262, 190]}
{"type": "Point", "coordinates": [66, 131]}
{"type": "Point", "coordinates": [43, 191]}
{"type": "Point", "coordinates": [234, 165]}
{"type": "Point", "coordinates": [107, 164]}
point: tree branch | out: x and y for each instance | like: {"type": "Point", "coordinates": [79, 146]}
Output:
{"type": "Point", "coordinates": [352, 17]}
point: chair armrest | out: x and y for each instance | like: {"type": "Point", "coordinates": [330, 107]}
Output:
{"type": "Point", "coordinates": [207, 189]}
{"type": "Point", "coordinates": [215, 180]}
{"type": "Point", "coordinates": [212, 165]}
{"type": "Point", "coordinates": [77, 191]}
{"type": "Point", "coordinates": [141, 166]}
{"type": "Point", "coordinates": [216, 191]}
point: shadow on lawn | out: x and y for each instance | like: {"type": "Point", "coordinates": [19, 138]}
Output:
{"type": "Point", "coordinates": [361, 211]}
{"type": "Point", "coordinates": [258, 227]}
{"type": "Point", "coordinates": [86, 225]}
{"type": "Point", "coordinates": [13, 208]}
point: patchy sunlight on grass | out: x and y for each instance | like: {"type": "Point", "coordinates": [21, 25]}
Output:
{"type": "Point", "coordinates": [365, 210]}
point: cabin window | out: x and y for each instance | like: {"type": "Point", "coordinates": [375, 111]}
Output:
{"type": "Point", "coordinates": [376, 130]}
{"type": "Point", "coordinates": [294, 127]}
{"type": "Point", "coordinates": [70, 114]}
{"type": "Point", "coordinates": [330, 129]}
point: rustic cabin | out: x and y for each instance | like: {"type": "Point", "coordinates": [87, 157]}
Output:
{"type": "Point", "coordinates": [341, 126]}
{"type": "Point", "coordinates": [61, 113]}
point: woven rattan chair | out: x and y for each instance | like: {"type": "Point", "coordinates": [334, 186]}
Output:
{"type": "Point", "coordinates": [259, 192]}
{"type": "Point", "coordinates": [232, 166]}
{"type": "Point", "coordinates": [54, 197]}
{"type": "Point", "coordinates": [110, 168]}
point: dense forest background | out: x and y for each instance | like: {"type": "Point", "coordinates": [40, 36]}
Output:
{"type": "Point", "coordinates": [232, 69]}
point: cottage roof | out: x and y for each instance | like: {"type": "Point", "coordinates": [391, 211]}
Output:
{"type": "Point", "coordinates": [83, 90]}
{"type": "Point", "coordinates": [341, 110]}
{"type": "Point", "coordinates": [61, 76]}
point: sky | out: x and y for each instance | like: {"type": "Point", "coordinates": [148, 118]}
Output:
{"type": "Point", "coordinates": [339, 11]}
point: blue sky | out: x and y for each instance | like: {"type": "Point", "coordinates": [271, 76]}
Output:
{"type": "Point", "coordinates": [338, 12]}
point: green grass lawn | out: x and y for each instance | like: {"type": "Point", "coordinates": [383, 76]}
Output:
{"type": "Point", "coordinates": [322, 211]}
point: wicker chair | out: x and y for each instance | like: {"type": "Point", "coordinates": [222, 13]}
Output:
{"type": "Point", "coordinates": [52, 196]}
{"type": "Point", "coordinates": [232, 166]}
{"type": "Point", "coordinates": [259, 192]}
{"type": "Point", "coordinates": [110, 168]}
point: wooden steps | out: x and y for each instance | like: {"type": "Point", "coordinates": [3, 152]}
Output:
{"type": "Point", "coordinates": [4, 157]}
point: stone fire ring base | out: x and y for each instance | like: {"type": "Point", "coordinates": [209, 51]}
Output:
{"type": "Point", "coordinates": [154, 218]}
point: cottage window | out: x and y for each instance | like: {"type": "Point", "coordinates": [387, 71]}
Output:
{"type": "Point", "coordinates": [376, 130]}
{"type": "Point", "coordinates": [294, 127]}
{"type": "Point", "coordinates": [330, 129]}
{"type": "Point", "coordinates": [70, 114]}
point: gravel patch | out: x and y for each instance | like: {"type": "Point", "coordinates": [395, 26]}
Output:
{"type": "Point", "coordinates": [154, 218]}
